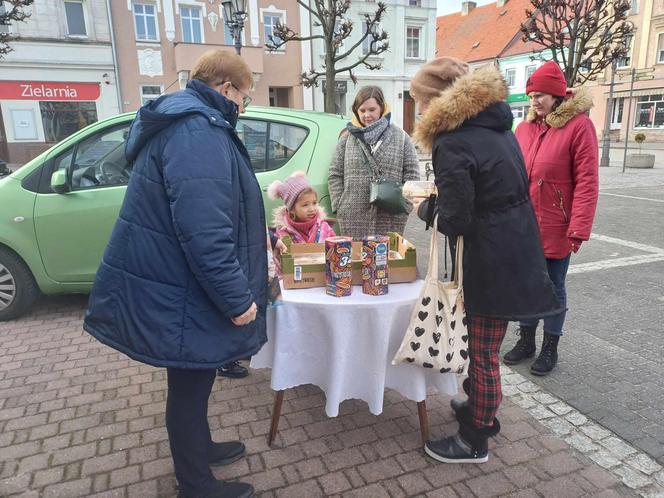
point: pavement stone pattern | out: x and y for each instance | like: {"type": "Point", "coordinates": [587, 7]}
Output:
{"type": "Point", "coordinates": [80, 419]}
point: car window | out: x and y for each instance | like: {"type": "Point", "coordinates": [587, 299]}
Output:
{"type": "Point", "coordinates": [270, 145]}
{"type": "Point", "coordinates": [284, 141]}
{"type": "Point", "coordinates": [253, 134]}
{"type": "Point", "coordinates": [98, 161]}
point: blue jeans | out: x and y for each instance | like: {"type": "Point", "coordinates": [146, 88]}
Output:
{"type": "Point", "coordinates": [557, 272]}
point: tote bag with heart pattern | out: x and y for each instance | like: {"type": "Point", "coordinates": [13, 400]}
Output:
{"type": "Point", "coordinates": [437, 336]}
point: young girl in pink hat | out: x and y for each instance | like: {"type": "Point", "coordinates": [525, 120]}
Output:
{"type": "Point", "coordinates": [300, 218]}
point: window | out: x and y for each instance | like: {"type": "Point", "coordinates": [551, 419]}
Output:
{"type": "Point", "coordinates": [270, 145]}
{"type": "Point", "coordinates": [413, 42]}
{"type": "Point", "coordinates": [617, 114]}
{"type": "Point", "coordinates": [61, 119]}
{"type": "Point", "coordinates": [4, 27]}
{"type": "Point", "coordinates": [650, 112]}
{"type": "Point", "coordinates": [529, 71]}
{"type": "Point", "coordinates": [75, 19]}
{"type": "Point", "coordinates": [510, 77]}
{"type": "Point", "coordinates": [415, 3]}
{"type": "Point", "coordinates": [627, 60]}
{"type": "Point", "coordinates": [634, 7]}
{"type": "Point", "coordinates": [145, 21]}
{"type": "Point", "coordinates": [97, 161]}
{"type": "Point", "coordinates": [367, 42]}
{"type": "Point", "coordinates": [192, 29]}
{"type": "Point", "coordinates": [660, 48]}
{"type": "Point", "coordinates": [149, 93]}
{"type": "Point", "coordinates": [228, 36]}
{"type": "Point", "coordinates": [270, 21]}
{"type": "Point", "coordinates": [284, 142]}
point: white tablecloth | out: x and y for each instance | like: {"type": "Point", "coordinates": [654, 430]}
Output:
{"type": "Point", "coordinates": [345, 346]}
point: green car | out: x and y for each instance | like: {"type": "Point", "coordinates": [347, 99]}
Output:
{"type": "Point", "coordinates": [59, 209]}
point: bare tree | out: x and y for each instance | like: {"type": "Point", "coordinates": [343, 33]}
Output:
{"type": "Point", "coordinates": [329, 17]}
{"type": "Point", "coordinates": [583, 36]}
{"type": "Point", "coordinates": [11, 10]}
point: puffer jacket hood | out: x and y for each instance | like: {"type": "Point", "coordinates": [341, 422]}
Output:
{"type": "Point", "coordinates": [462, 103]}
{"type": "Point", "coordinates": [279, 212]}
{"type": "Point", "coordinates": [155, 116]}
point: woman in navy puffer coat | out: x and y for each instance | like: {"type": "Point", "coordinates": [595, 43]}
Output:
{"type": "Point", "coordinates": [182, 283]}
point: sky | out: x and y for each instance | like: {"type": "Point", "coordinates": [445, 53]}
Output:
{"type": "Point", "coordinates": [450, 6]}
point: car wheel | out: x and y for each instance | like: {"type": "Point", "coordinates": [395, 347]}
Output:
{"type": "Point", "coordinates": [18, 289]}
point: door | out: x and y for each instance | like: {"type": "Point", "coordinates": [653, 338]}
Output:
{"type": "Point", "coordinates": [408, 113]}
{"type": "Point", "coordinates": [73, 228]}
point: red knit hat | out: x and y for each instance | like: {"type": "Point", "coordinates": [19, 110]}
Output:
{"type": "Point", "coordinates": [549, 78]}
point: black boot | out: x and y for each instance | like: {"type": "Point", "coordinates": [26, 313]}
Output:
{"type": "Point", "coordinates": [469, 445]}
{"type": "Point", "coordinates": [548, 356]}
{"type": "Point", "coordinates": [458, 404]}
{"type": "Point", "coordinates": [524, 348]}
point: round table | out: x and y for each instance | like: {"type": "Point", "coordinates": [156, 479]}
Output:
{"type": "Point", "coordinates": [345, 346]}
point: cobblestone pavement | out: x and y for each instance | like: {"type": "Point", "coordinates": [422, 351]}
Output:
{"type": "Point", "coordinates": [79, 419]}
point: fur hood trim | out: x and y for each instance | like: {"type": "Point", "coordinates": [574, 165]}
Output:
{"type": "Point", "coordinates": [580, 102]}
{"type": "Point", "coordinates": [279, 212]}
{"type": "Point", "coordinates": [465, 98]}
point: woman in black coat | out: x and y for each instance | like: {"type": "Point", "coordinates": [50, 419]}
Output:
{"type": "Point", "coordinates": [482, 195]}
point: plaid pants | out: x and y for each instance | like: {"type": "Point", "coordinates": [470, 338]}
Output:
{"type": "Point", "coordinates": [486, 336]}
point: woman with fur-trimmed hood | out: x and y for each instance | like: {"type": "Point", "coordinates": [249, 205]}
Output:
{"type": "Point", "coordinates": [559, 144]}
{"type": "Point", "coordinates": [483, 195]}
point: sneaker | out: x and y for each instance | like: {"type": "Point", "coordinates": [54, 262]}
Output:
{"type": "Point", "coordinates": [454, 449]}
{"type": "Point", "coordinates": [222, 489]}
{"type": "Point", "coordinates": [226, 453]}
{"type": "Point", "coordinates": [233, 370]}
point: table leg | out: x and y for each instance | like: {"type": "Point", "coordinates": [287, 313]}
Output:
{"type": "Point", "coordinates": [424, 420]}
{"type": "Point", "coordinates": [276, 413]}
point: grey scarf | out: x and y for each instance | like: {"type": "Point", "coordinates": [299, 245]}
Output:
{"type": "Point", "coordinates": [371, 134]}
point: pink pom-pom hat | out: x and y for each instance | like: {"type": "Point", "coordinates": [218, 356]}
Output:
{"type": "Point", "coordinates": [290, 189]}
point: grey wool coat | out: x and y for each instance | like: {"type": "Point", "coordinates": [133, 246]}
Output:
{"type": "Point", "coordinates": [349, 179]}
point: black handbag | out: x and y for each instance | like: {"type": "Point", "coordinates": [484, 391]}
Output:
{"type": "Point", "coordinates": [385, 193]}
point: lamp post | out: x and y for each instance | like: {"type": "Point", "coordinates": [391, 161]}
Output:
{"type": "Point", "coordinates": [606, 144]}
{"type": "Point", "coordinates": [235, 14]}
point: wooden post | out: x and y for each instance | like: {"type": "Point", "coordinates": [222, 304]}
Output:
{"type": "Point", "coordinates": [424, 420]}
{"type": "Point", "coordinates": [276, 413]}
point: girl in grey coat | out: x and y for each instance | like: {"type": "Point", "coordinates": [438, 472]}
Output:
{"type": "Point", "coordinates": [371, 146]}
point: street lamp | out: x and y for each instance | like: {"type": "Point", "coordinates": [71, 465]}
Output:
{"type": "Point", "coordinates": [234, 17]}
{"type": "Point", "coordinates": [606, 144]}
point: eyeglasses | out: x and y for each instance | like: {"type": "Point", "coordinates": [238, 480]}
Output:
{"type": "Point", "coordinates": [246, 99]}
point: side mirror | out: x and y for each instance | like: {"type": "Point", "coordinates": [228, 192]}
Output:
{"type": "Point", "coordinates": [59, 182]}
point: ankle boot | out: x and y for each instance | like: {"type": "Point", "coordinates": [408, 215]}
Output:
{"type": "Point", "coordinates": [524, 348]}
{"type": "Point", "coordinates": [457, 404]}
{"type": "Point", "coordinates": [469, 445]}
{"type": "Point", "coordinates": [548, 356]}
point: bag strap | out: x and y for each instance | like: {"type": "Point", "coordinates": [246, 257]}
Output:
{"type": "Point", "coordinates": [367, 162]}
{"type": "Point", "coordinates": [432, 270]}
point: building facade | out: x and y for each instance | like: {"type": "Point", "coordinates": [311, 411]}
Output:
{"type": "Point", "coordinates": [158, 41]}
{"type": "Point", "coordinates": [59, 78]}
{"type": "Point", "coordinates": [411, 26]}
{"type": "Point", "coordinates": [644, 112]}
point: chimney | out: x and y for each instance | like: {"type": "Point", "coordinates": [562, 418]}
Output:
{"type": "Point", "coordinates": [467, 6]}
{"type": "Point", "coordinates": [501, 3]}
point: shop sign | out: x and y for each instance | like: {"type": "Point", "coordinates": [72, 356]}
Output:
{"type": "Point", "coordinates": [339, 86]}
{"type": "Point", "coordinates": [517, 97]}
{"type": "Point", "coordinates": [48, 90]}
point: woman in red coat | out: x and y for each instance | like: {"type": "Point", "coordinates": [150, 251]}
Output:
{"type": "Point", "coordinates": [559, 145]}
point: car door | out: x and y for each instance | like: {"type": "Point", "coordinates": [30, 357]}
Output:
{"type": "Point", "coordinates": [73, 228]}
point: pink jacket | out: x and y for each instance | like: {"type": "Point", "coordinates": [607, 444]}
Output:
{"type": "Point", "coordinates": [561, 156]}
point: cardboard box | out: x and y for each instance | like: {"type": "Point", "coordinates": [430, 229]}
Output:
{"type": "Point", "coordinates": [304, 265]}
